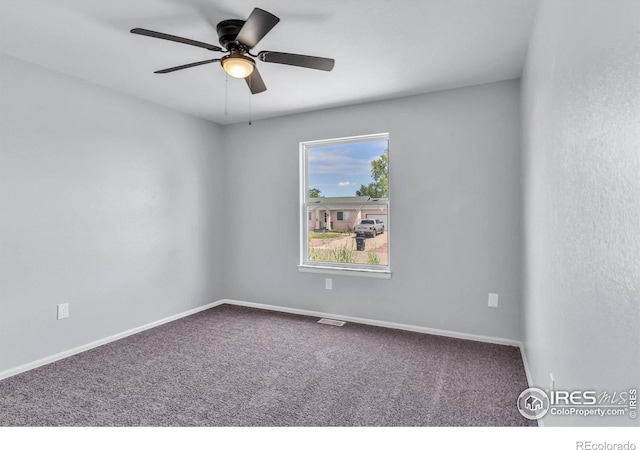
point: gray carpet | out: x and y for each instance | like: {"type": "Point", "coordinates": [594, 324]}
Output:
{"type": "Point", "coordinates": [236, 366]}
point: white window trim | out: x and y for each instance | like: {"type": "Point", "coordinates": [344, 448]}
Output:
{"type": "Point", "coordinates": [347, 271]}
{"type": "Point", "coordinates": [361, 270]}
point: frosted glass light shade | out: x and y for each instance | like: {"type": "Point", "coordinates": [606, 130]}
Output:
{"type": "Point", "coordinates": [238, 66]}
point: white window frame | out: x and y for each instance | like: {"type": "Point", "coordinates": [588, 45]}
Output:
{"type": "Point", "coordinates": [332, 268]}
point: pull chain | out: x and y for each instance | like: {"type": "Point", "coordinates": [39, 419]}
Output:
{"type": "Point", "coordinates": [250, 112]}
{"type": "Point", "coordinates": [250, 95]}
{"type": "Point", "coordinates": [226, 95]}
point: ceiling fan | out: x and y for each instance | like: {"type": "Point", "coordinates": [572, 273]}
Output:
{"type": "Point", "coordinates": [237, 38]}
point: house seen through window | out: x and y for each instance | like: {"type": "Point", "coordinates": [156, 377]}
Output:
{"type": "Point", "coordinates": [345, 201]}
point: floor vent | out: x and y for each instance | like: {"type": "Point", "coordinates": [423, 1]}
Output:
{"type": "Point", "coordinates": [337, 323]}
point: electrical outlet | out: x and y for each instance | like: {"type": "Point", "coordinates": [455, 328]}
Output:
{"type": "Point", "coordinates": [493, 300]}
{"type": "Point", "coordinates": [328, 283]}
{"type": "Point", "coordinates": [63, 311]}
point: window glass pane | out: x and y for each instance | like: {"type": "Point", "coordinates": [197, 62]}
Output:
{"type": "Point", "coordinates": [348, 170]}
{"type": "Point", "coordinates": [338, 242]}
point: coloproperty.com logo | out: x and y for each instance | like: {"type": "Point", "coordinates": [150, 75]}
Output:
{"type": "Point", "coordinates": [534, 403]}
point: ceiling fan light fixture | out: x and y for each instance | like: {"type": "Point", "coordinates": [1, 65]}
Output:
{"type": "Point", "coordinates": [238, 66]}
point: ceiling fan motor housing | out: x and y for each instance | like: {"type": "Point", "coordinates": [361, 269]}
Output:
{"type": "Point", "coordinates": [228, 31]}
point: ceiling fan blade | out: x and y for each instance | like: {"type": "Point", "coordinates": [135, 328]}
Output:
{"type": "Point", "coordinates": [259, 23]}
{"type": "Point", "coordinates": [291, 59]}
{"type": "Point", "coordinates": [255, 83]}
{"type": "Point", "coordinates": [186, 66]}
{"type": "Point", "coordinates": [170, 37]}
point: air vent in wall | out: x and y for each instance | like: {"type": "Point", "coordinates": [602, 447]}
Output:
{"type": "Point", "coordinates": [337, 323]}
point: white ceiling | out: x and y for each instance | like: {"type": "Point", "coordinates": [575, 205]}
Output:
{"type": "Point", "coordinates": [383, 49]}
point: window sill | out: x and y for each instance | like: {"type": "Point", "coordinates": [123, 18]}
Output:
{"type": "Point", "coordinates": [347, 271]}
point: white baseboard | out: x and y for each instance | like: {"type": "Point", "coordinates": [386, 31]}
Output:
{"type": "Point", "coordinates": [83, 348]}
{"type": "Point", "coordinates": [527, 372]}
{"type": "Point", "coordinates": [526, 365]}
{"type": "Point", "coordinates": [379, 323]}
{"type": "Point", "coordinates": [304, 312]}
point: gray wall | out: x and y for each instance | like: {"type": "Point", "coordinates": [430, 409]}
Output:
{"type": "Point", "coordinates": [581, 116]}
{"type": "Point", "coordinates": [455, 193]}
{"type": "Point", "coordinates": [108, 203]}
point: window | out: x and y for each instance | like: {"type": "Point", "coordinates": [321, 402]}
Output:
{"type": "Point", "coordinates": [344, 187]}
